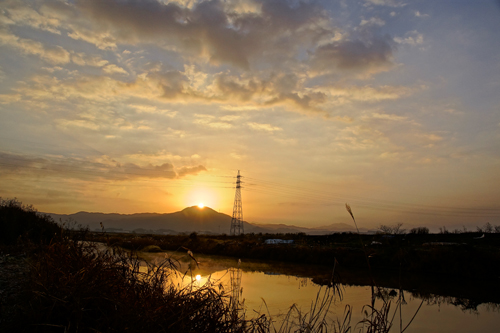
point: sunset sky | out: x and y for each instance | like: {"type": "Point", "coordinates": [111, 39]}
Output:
{"type": "Point", "coordinates": [392, 106]}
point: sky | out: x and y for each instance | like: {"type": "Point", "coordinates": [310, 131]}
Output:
{"type": "Point", "coordinates": [392, 106]}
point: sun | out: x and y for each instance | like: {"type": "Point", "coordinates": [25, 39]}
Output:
{"type": "Point", "coordinates": [201, 205]}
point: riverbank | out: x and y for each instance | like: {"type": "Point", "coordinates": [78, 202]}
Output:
{"type": "Point", "coordinates": [468, 294]}
{"type": "Point", "coordinates": [454, 257]}
{"type": "Point", "coordinates": [70, 285]}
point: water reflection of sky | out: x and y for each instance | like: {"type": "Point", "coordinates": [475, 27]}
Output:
{"type": "Point", "coordinates": [263, 290]}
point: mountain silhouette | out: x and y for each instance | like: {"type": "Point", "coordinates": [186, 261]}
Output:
{"type": "Point", "coordinates": [191, 219]}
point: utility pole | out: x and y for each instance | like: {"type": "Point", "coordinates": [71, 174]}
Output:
{"type": "Point", "coordinates": [237, 220]}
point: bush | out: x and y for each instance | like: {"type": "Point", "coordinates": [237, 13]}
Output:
{"type": "Point", "coordinates": [24, 222]}
{"type": "Point", "coordinates": [420, 231]}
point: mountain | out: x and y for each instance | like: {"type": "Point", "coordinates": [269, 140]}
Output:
{"type": "Point", "coordinates": [192, 219]}
{"type": "Point", "coordinates": [204, 220]}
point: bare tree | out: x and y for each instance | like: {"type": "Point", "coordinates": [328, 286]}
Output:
{"type": "Point", "coordinates": [391, 230]}
{"type": "Point", "coordinates": [488, 228]}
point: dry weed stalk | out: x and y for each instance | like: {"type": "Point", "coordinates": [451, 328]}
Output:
{"type": "Point", "coordinates": [377, 320]}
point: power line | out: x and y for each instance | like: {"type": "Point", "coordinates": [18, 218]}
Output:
{"type": "Point", "coordinates": [305, 194]}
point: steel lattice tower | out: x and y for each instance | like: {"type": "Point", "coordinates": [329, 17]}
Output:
{"type": "Point", "coordinates": [237, 220]}
{"type": "Point", "coordinates": [236, 291]}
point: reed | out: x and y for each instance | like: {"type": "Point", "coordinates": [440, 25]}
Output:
{"type": "Point", "coordinates": [76, 285]}
{"type": "Point", "coordinates": [379, 320]}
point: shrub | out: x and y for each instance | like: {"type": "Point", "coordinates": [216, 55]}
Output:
{"type": "Point", "coordinates": [420, 231]}
{"type": "Point", "coordinates": [20, 221]}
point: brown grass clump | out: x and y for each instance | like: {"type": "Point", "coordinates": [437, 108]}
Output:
{"type": "Point", "coordinates": [76, 288]}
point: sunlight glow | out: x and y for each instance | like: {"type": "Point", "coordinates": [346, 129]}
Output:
{"type": "Point", "coordinates": [204, 195]}
{"type": "Point", "coordinates": [198, 277]}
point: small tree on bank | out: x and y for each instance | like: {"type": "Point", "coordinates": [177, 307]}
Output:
{"type": "Point", "coordinates": [391, 230]}
{"type": "Point", "coordinates": [419, 231]}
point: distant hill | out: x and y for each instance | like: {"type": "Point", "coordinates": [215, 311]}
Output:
{"type": "Point", "coordinates": [192, 219]}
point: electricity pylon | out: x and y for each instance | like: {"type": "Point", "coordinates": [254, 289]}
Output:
{"type": "Point", "coordinates": [234, 299]}
{"type": "Point", "coordinates": [237, 220]}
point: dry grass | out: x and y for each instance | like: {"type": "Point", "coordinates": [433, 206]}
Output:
{"type": "Point", "coordinates": [380, 320]}
{"type": "Point", "coordinates": [77, 288]}
{"type": "Point", "coordinates": [74, 286]}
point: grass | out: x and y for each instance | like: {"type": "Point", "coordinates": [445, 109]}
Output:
{"type": "Point", "coordinates": [74, 286]}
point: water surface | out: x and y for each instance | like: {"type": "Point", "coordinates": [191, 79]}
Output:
{"type": "Point", "coordinates": [272, 288]}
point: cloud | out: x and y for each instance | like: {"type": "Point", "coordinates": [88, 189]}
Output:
{"type": "Point", "coordinates": [82, 123]}
{"type": "Point", "coordinates": [130, 170]}
{"type": "Point", "coordinates": [230, 118]}
{"type": "Point", "coordinates": [158, 157]}
{"type": "Point", "coordinates": [374, 21]}
{"type": "Point", "coordinates": [410, 38]}
{"type": "Point", "coordinates": [278, 89]}
{"type": "Point", "coordinates": [57, 17]}
{"type": "Point", "coordinates": [113, 69]}
{"type": "Point", "coordinates": [103, 40]}
{"type": "Point", "coordinates": [429, 140]}
{"type": "Point", "coordinates": [237, 156]}
{"type": "Point", "coordinates": [240, 107]}
{"type": "Point", "coordinates": [211, 121]}
{"type": "Point", "coordinates": [367, 93]}
{"type": "Point", "coordinates": [174, 85]}
{"type": "Point", "coordinates": [83, 59]}
{"type": "Point", "coordinates": [453, 111]}
{"type": "Point", "coordinates": [389, 3]}
{"type": "Point", "coordinates": [286, 142]}
{"type": "Point", "coordinates": [90, 169]}
{"type": "Point", "coordinates": [52, 54]}
{"type": "Point", "coordinates": [184, 171]}
{"type": "Point", "coordinates": [219, 32]}
{"type": "Point", "coordinates": [372, 56]}
{"type": "Point", "coordinates": [360, 138]}
{"type": "Point", "coordinates": [81, 88]}
{"type": "Point", "coordinates": [418, 14]}
{"type": "Point", "coordinates": [201, 52]}
{"type": "Point", "coordinates": [18, 13]}
{"type": "Point", "coordinates": [233, 93]}
{"type": "Point", "coordinates": [386, 116]}
{"type": "Point", "coordinates": [264, 127]}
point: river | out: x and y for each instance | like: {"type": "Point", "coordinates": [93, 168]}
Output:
{"type": "Point", "coordinates": [272, 288]}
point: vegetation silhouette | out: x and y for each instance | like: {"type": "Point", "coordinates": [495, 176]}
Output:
{"type": "Point", "coordinates": [70, 283]}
